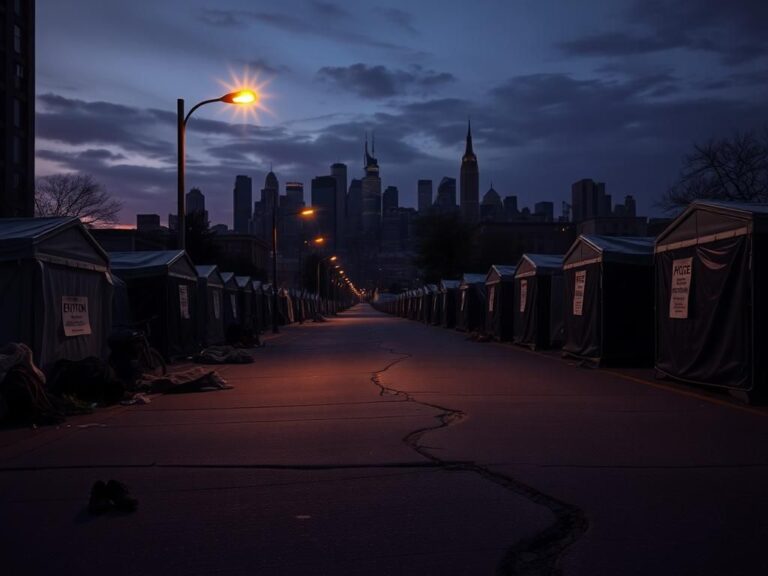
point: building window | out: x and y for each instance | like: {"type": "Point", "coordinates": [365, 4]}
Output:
{"type": "Point", "coordinates": [17, 38]}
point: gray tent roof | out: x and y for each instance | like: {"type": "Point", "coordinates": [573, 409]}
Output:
{"type": "Point", "coordinates": [229, 280]}
{"type": "Point", "coordinates": [532, 264]}
{"type": "Point", "coordinates": [620, 249]}
{"type": "Point", "coordinates": [152, 263]}
{"type": "Point", "coordinates": [244, 283]}
{"type": "Point", "coordinates": [210, 272]}
{"type": "Point", "coordinates": [446, 285]}
{"type": "Point", "coordinates": [500, 273]}
{"type": "Point", "coordinates": [63, 240]}
{"type": "Point", "coordinates": [706, 221]}
{"type": "Point", "coordinates": [468, 279]}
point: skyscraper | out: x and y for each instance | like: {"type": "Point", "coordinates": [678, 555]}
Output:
{"type": "Point", "coordinates": [390, 199]}
{"type": "Point", "coordinates": [339, 172]}
{"type": "Point", "coordinates": [425, 196]}
{"type": "Point", "coordinates": [243, 198]}
{"type": "Point", "coordinates": [294, 192]}
{"type": "Point", "coordinates": [324, 201]}
{"type": "Point", "coordinates": [270, 198]}
{"type": "Point", "coordinates": [196, 203]}
{"type": "Point", "coordinates": [17, 98]}
{"type": "Point", "coordinates": [446, 195]}
{"type": "Point", "coordinates": [491, 209]}
{"type": "Point", "coordinates": [371, 218]}
{"type": "Point", "coordinates": [354, 208]}
{"type": "Point", "coordinates": [589, 200]}
{"type": "Point", "coordinates": [470, 182]}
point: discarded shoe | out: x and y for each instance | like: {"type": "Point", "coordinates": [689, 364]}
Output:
{"type": "Point", "coordinates": [120, 497]}
{"type": "Point", "coordinates": [99, 501]}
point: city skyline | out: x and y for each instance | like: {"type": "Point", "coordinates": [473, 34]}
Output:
{"type": "Point", "coordinates": [615, 95]}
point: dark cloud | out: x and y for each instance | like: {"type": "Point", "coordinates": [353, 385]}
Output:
{"type": "Point", "coordinates": [262, 65]}
{"type": "Point", "coordinates": [330, 9]}
{"type": "Point", "coordinates": [376, 82]}
{"type": "Point", "coordinates": [734, 30]}
{"type": "Point", "coordinates": [398, 17]}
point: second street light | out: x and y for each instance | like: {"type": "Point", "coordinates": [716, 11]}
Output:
{"type": "Point", "coordinates": [239, 97]}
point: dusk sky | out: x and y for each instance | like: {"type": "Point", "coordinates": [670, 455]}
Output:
{"type": "Point", "coordinates": [557, 91]}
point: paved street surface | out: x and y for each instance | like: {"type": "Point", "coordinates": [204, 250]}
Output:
{"type": "Point", "coordinates": [373, 445]}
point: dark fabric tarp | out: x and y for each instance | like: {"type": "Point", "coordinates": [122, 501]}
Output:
{"type": "Point", "coordinates": [500, 301]}
{"type": "Point", "coordinates": [449, 290]}
{"type": "Point", "coordinates": [162, 290]}
{"type": "Point", "coordinates": [722, 339]}
{"type": "Point", "coordinates": [612, 322]}
{"type": "Point", "coordinates": [210, 299]}
{"type": "Point", "coordinates": [232, 312]}
{"type": "Point", "coordinates": [538, 319]}
{"type": "Point", "coordinates": [470, 316]}
{"type": "Point", "coordinates": [44, 264]}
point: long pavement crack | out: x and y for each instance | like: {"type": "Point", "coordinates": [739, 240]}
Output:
{"type": "Point", "coordinates": [533, 556]}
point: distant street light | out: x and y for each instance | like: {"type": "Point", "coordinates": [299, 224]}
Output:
{"type": "Point", "coordinates": [239, 97]}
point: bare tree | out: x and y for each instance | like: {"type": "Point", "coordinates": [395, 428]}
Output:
{"type": "Point", "coordinates": [733, 169]}
{"type": "Point", "coordinates": [75, 195]}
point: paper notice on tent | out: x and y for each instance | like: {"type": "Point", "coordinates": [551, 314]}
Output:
{"type": "Point", "coordinates": [491, 298]}
{"type": "Point", "coordinates": [233, 303]}
{"type": "Point", "coordinates": [216, 304]}
{"type": "Point", "coordinates": [463, 299]}
{"type": "Point", "coordinates": [184, 301]}
{"type": "Point", "coordinates": [523, 294]}
{"type": "Point", "coordinates": [578, 292]}
{"type": "Point", "coordinates": [682, 270]}
{"type": "Point", "coordinates": [74, 316]}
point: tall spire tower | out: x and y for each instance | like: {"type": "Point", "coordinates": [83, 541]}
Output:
{"type": "Point", "coordinates": [470, 182]}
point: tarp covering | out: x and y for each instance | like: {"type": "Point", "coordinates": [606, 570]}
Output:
{"type": "Point", "coordinates": [232, 312]}
{"type": "Point", "coordinates": [163, 291]}
{"type": "Point", "coordinates": [538, 306]}
{"type": "Point", "coordinates": [55, 290]}
{"type": "Point", "coordinates": [608, 308]}
{"type": "Point", "coordinates": [710, 314]}
{"type": "Point", "coordinates": [211, 303]}
{"type": "Point", "coordinates": [470, 315]}
{"type": "Point", "coordinates": [499, 316]}
{"type": "Point", "coordinates": [449, 301]}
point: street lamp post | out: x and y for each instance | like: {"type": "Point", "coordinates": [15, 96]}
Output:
{"type": "Point", "coordinates": [239, 97]}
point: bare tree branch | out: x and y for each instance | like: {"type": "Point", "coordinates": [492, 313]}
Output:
{"type": "Point", "coordinates": [75, 195]}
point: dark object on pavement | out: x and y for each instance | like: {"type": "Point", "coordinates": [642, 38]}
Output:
{"type": "Point", "coordinates": [131, 355]}
{"type": "Point", "coordinates": [89, 379]}
{"type": "Point", "coordinates": [120, 496]}
{"type": "Point", "coordinates": [99, 501]}
{"type": "Point", "coordinates": [223, 355]}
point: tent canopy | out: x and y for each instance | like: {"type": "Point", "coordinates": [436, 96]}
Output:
{"type": "Point", "coordinates": [532, 264]}
{"type": "Point", "coordinates": [152, 263]}
{"type": "Point", "coordinates": [62, 240]}
{"type": "Point", "coordinates": [708, 221]}
{"type": "Point", "coordinates": [211, 274]}
{"type": "Point", "coordinates": [244, 283]}
{"type": "Point", "coordinates": [588, 249]}
{"type": "Point", "coordinates": [470, 279]}
{"type": "Point", "coordinates": [500, 273]}
{"type": "Point", "coordinates": [446, 285]}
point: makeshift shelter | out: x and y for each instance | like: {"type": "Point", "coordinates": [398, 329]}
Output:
{"type": "Point", "coordinates": [259, 306]}
{"type": "Point", "coordinates": [232, 313]}
{"type": "Point", "coordinates": [210, 300]}
{"type": "Point", "coordinates": [428, 298]}
{"type": "Point", "coordinates": [162, 291]}
{"type": "Point", "coordinates": [608, 307]}
{"type": "Point", "coordinates": [470, 316]}
{"type": "Point", "coordinates": [538, 308]}
{"type": "Point", "coordinates": [711, 284]}
{"type": "Point", "coordinates": [245, 299]}
{"type": "Point", "coordinates": [285, 304]}
{"type": "Point", "coordinates": [499, 315]}
{"type": "Point", "coordinates": [268, 309]}
{"type": "Point", "coordinates": [449, 290]}
{"type": "Point", "coordinates": [55, 289]}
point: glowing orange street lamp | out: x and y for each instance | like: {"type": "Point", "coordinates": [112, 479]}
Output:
{"type": "Point", "coordinates": [240, 97]}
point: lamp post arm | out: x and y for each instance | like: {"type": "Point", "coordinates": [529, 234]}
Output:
{"type": "Point", "coordinates": [196, 106]}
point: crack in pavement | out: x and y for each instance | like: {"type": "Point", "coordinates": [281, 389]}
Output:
{"type": "Point", "coordinates": [533, 556]}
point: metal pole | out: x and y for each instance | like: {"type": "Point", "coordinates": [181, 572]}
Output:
{"type": "Point", "coordinates": [181, 209]}
{"type": "Point", "coordinates": [274, 268]}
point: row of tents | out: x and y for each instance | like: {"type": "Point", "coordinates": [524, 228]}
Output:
{"type": "Point", "coordinates": [693, 301]}
{"type": "Point", "coordinates": [62, 295]}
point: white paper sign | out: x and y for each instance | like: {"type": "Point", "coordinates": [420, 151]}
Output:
{"type": "Point", "coordinates": [523, 294]}
{"type": "Point", "coordinates": [216, 304]}
{"type": "Point", "coordinates": [491, 298]}
{"type": "Point", "coordinates": [74, 316]}
{"type": "Point", "coordinates": [233, 303]}
{"type": "Point", "coordinates": [578, 292]}
{"type": "Point", "coordinates": [463, 298]}
{"type": "Point", "coordinates": [184, 301]}
{"type": "Point", "coordinates": [681, 287]}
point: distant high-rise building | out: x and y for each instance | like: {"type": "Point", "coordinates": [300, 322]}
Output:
{"type": "Point", "coordinates": [196, 203]}
{"type": "Point", "coordinates": [424, 196]}
{"type": "Point", "coordinates": [589, 200]}
{"type": "Point", "coordinates": [510, 208]}
{"type": "Point", "coordinates": [491, 209]}
{"type": "Point", "coordinates": [446, 195]}
{"type": "Point", "coordinates": [270, 200]}
{"type": "Point", "coordinates": [147, 222]}
{"type": "Point", "coordinates": [173, 222]}
{"type": "Point", "coordinates": [355, 208]}
{"type": "Point", "coordinates": [324, 201]}
{"type": "Point", "coordinates": [545, 211]}
{"type": "Point", "coordinates": [339, 172]}
{"type": "Point", "coordinates": [294, 192]}
{"type": "Point", "coordinates": [470, 182]}
{"type": "Point", "coordinates": [371, 218]}
{"type": "Point", "coordinates": [390, 199]}
{"type": "Point", "coordinates": [243, 199]}
{"type": "Point", "coordinates": [17, 98]}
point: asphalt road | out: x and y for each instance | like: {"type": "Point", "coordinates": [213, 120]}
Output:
{"type": "Point", "coordinates": [379, 446]}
